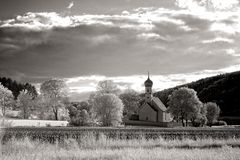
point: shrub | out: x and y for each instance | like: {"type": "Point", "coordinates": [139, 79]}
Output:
{"type": "Point", "coordinates": [134, 117]}
{"type": "Point", "coordinates": [219, 123]}
{"type": "Point", "coordinates": [48, 125]}
{"type": "Point", "coordinates": [200, 121]}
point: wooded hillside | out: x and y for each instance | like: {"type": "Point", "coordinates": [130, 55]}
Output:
{"type": "Point", "coordinates": [223, 89]}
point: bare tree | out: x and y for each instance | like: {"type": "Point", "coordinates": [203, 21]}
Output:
{"type": "Point", "coordinates": [6, 99]}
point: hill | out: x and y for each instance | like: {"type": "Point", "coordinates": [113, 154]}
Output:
{"type": "Point", "coordinates": [223, 89]}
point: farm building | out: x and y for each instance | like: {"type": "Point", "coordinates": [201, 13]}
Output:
{"type": "Point", "coordinates": [152, 110]}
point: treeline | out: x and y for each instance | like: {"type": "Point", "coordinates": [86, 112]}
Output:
{"type": "Point", "coordinates": [107, 106]}
{"type": "Point", "coordinates": [16, 87]}
{"type": "Point", "coordinates": [222, 89]}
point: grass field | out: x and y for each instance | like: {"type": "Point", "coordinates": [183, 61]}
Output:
{"type": "Point", "coordinates": [111, 143]}
{"type": "Point", "coordinates": [89, 147]}
{"type": "Point", "coordinates": [53, 134]}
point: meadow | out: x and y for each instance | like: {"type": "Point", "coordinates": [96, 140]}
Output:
{"type": "Point", "coordinates": [88, 147]}
{"type": "Point", "coordinates": [112, 143]}
{"type": "Point", "coordinates": [52, 134]}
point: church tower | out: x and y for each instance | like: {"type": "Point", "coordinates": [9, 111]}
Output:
{"type": "Point", "coordinates": [148, 90]}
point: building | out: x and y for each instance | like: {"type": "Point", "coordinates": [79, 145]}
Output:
{"type": "Point", "coordinates": [152, 110]}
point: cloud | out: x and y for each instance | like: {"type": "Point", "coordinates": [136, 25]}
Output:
{"type": "Point", "coordinates": [232, 52]}
{"type": "Point", "coordinates": [37, 21]}
{"type": "Point", "coordinates": [136, 82]}
{"type": "Point", "coordinates": [207, 4]}
{"type": "Point", "coordinates": [218, 39]}
{"type": "Point", "coordinates": [71, 4]}
{"type": "Point", "coordinates": [162, 40]}
{"type": "Point", "coordinates": [147, 36]}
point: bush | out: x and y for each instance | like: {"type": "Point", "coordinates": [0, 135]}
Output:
{"type": "Point", "coordinates": [231, 120]}
{"type": "Point", "coordinates": [134, 117]}
{"type": "Point", "coordinates": [200, 121]}
{"type": "Point", "coordinates": [48, 125]}
{"type": "Point", "coordinates": [219, 123]}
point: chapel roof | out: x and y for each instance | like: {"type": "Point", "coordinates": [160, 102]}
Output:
{"type": "Point", "coordinates": [158, 103]}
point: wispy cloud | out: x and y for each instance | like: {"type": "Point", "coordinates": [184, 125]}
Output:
{"type": "Point", "coordinates": [71, 4]}
{"type": "Point", "coordinates": [208, 4]}
{"type": "Point", "coordinates": [218, 39]}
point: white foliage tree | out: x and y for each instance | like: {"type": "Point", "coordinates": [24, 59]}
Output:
{"type": "Point", "coordinates": [109, 109]}
{"type": "Point", "coordinates": [6, 99]}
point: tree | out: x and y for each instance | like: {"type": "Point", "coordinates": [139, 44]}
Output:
{"type": "Point", "coordinates": [31, 90]}
{"type": "Point", "coordinates": [213, 112]}
{"type": "Point", "coordinates": [107, 87]}
{"type": "Point", "coordinates": [131, 101]}
{"type": "Point", "coordinates": [78, 116]}
{"type": "Point", "coordinates": [55, 95]}
{"type": "Point", "coordinates": [200, 119]}
{"type": "Point", "coordinates": [6, 99]}
{"type": "Point", "coordinates": [109, 109]}
{"type": "Point", "coordinates": [41, 110]}
{"type": "Point", "coordinates": [25, 103]}
{"type": "Point", "coordinates": [184, 104]}
{"type": "Point", "coordinates": [80, 113]}
{"type": "Point", "coordinates": [16, 87]}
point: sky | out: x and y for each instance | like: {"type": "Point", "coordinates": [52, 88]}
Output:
{"type": "Point", "coordinates": [86, 41]}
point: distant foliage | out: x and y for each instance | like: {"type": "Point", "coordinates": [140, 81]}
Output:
{"type": "Point", "coordinates": [184, 104]}
{"type": "Point", "coordinates": [213, 112]}
{"type": "Point", "coordinates": [25, 103]}
{"type": "Point", "coordinates": [16, 87]}
{"type": "Point", "coordinates": [131, 101]}
{"type": "Point", "coordinates": [108, 109]}
{"type": "Point", "coordinates": [6, 99]}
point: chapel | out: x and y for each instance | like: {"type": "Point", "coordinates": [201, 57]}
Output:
{"type": "Point", "coordinates": [152, 110]}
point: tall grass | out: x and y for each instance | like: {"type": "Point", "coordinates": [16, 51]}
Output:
{"type": "Point", "coordinates": [90, 147]}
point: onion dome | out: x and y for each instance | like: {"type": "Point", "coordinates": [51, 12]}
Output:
{"type": "Point", "coordinates": [148, 82]}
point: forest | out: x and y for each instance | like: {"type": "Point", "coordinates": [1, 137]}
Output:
{"type": "Point", "coordinates": [16, 87]}
{"type": "Point", "coordinates": [222, 89]}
